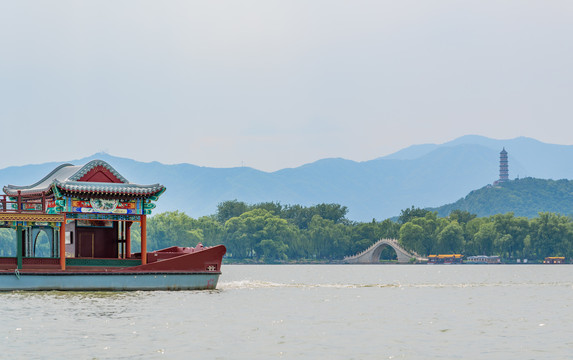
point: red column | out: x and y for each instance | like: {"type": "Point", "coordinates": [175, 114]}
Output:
{"type": "Point", "coordinates": [63, 244]}
{"type": "Point", "coordinates": [143, 239]}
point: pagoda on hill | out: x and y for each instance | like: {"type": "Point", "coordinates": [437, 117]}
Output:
{"type": "Point", "coordinates": [503, 168]}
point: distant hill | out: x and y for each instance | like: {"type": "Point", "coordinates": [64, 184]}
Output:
{"type": "Point", "coordinates": [524, 197]}
{"type": "Point", "coordinates": [422, 175]}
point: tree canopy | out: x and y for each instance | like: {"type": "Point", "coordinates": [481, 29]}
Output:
{"type": "Point", "coordinates": [270, 232]}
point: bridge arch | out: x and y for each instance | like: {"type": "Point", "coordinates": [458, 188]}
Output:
{"type": "Point", "coordinates": [372, 254]}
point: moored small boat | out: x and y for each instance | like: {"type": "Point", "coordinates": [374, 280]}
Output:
{"type": "Point", "coordinates": [554, 260]}
{"type": "Point", "coordinates": [483, 259]}
{"type": "Point", "coordinates": [445, 259]}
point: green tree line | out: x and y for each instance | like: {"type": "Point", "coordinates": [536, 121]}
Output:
{"type": "Point", "coordinates": [274, 232]}
{"type": "Point", "coordinates": [506, 235]}
{"type": "Point", "coordinates": [270, 232]}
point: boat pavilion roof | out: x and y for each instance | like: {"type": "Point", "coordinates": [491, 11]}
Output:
{"type": "Point", "coordinates": [95, 177]}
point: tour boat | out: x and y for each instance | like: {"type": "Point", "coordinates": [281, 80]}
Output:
{"type": "Point", "coordinates": [82, 216]}
{"type": "Point", "coordinates": [445, 259]}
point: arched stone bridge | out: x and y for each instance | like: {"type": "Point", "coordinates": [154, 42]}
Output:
{"type": "Point", "coordinates": [372, 254]}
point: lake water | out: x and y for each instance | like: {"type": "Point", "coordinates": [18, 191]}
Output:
{"type": "Point", "coordinates": [308, 312]}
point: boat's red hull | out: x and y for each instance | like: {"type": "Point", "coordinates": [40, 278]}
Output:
{"type": "Point", "coordinates": [183, 260]}
{"type": "Point", "coordinates": [168, 269]}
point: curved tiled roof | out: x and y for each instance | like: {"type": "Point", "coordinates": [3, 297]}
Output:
{"type": "Point", "coordinates": [66, 178]}
{"type": "Point", "coordinates": [61, 172]}
{"type": "Point", "coordinates": [109, 188]}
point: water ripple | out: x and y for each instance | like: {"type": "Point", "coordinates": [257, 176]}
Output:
{"type": "Point", "coordinates": [258, 284]}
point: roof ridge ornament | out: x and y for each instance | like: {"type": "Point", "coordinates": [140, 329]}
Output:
{"type": "Point", "coordinates": [91, 165]}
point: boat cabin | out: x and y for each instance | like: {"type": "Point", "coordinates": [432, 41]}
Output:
{"type": "Point", "coordinates": [80, 215]}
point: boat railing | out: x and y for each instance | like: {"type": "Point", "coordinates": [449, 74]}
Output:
{"type": "Point", "coordinates": [24, 204]}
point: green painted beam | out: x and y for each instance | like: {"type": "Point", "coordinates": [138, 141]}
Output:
{"type": "Point", "coordinates": [103, 262]}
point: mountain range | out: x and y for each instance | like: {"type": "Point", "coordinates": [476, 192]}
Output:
{"type": "Point", "coordinates": [428, 175]}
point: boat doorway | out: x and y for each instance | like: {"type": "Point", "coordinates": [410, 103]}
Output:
{"type": "Point", "coordinates": [86, 244]}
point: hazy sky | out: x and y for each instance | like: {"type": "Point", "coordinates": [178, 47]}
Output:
{"type": "Point", "coordinates": [274, 84]}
